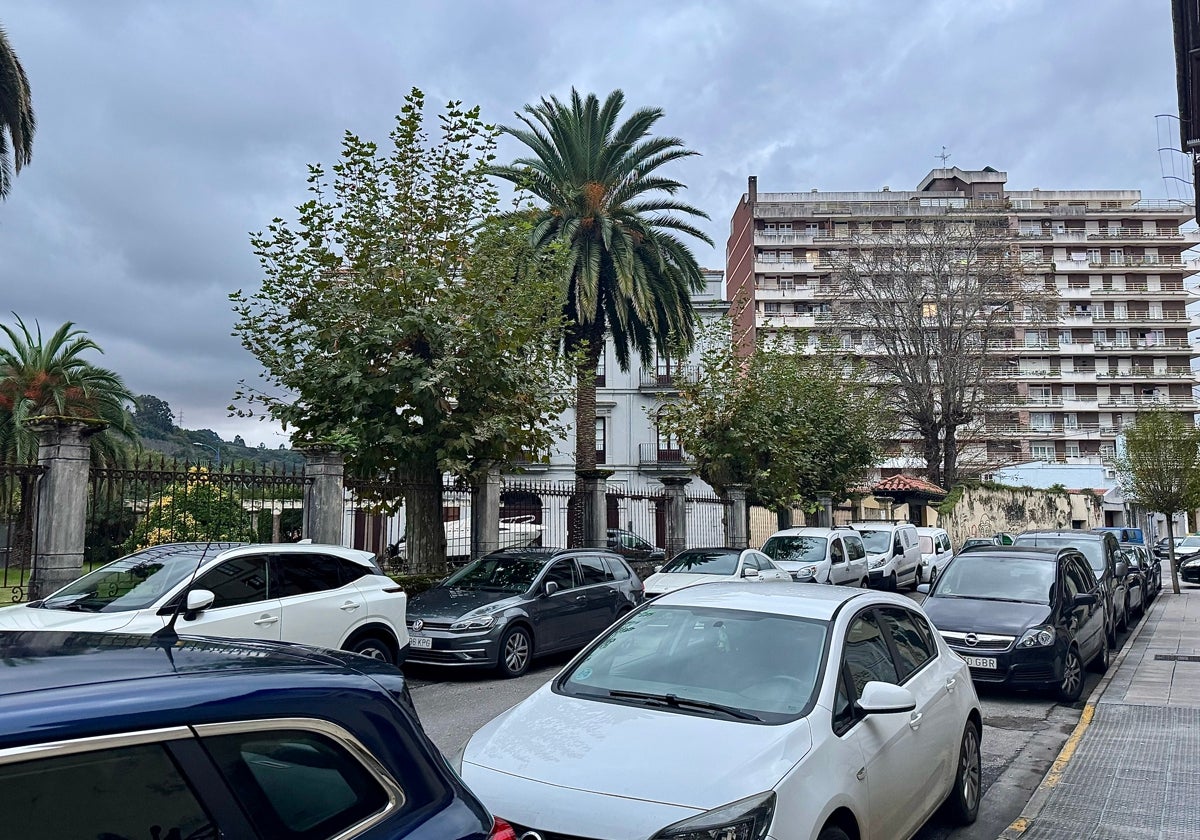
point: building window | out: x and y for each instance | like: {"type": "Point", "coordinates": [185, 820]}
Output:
{"type": "Point", "coordinates": [1071, 420]}
{"type": "Point", "coordinates": [1099, 336]}
{"type": "Point", "coordinates": [669, 450]}
{"type": "Point", "coordinates": [1072, 449]}
{"type": "Point", "coordinates": [600, 369]}
{"type": "Point", "coordinates": [1108, 451]}
{"type": "Point", "coordinates": [1093, 256]}
{"type": "Point", "coordinates": [1041, 421]}
{"type": "Point", "coordinates": [601, 440]}
{"type": "Point", "coordinates": [1064, 337]}
{"type": "Point", "coordinates": [771, 307]}
{"type": "Point", "coordinates": [1042, 451]}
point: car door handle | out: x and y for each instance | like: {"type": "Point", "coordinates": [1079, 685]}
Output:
{"type": "Point", "coordinates": [349, 606]}
{"type": "Point", "coordinates": [265, 620]}
{"type": "Point", "coordinates": [950, 684]}
{"type": "Point", "coordinates": [580, 597]}
{"type": "Point", "coordinates": [915, 720]}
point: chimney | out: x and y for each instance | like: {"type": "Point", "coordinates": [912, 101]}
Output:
{"type": "Point", "coordinates": [752, 189]}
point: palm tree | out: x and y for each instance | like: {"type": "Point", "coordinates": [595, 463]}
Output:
{"type": "Point", "coordinates": [630, 275]}
{"type": "Point", "coordinates": [17, 123]}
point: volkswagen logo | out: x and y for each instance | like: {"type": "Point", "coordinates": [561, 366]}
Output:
{"type": "Point", "coordinates": [530, 835]}
{"type": "Point", "coordinates": [418, 625]}
{"type": "Point", "coordinates": [971, 639]}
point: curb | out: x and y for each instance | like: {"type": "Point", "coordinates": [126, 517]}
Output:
{"type": "Point", "coordinates": [1038, 801]}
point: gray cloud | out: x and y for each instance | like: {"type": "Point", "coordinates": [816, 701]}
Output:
{"type": "Point", "coordinates": [167, 131]}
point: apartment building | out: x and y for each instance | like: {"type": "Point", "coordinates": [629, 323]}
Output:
{"type": "Point", "coordinates": [1112, 264]}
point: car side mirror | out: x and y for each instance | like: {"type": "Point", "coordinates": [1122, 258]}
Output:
{"type": "Point", "coordinates": [881, 698]}
{"type": "Point", "coordinates": [198, 600]}
{"type": "Point", "coordinates": [749, 573]}
{"type": "Point", "coordinates": [1122, 568]}
{"type": "Point", "coordinates": [550, 588]}
{"type": "Point", "coordinates": [923, 588]}
{"type": "Point", "coordinates": [1083, 599]}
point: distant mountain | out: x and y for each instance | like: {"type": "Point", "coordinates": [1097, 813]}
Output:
{"type": "Point", "coordinates": [157, 432]}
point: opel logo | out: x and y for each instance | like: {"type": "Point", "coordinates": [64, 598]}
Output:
{"type": "Point", "coordinates": [416, 626]}
{"type": "Point", "coordinates": [971, 639]}
{"type": "Point", "coordinates": [530, 835]}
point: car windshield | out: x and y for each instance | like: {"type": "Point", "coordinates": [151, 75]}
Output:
{"type": "Point", "coordinates": [699, 561]}
{"type": "Point", "coordinates": [735, 664]}
{"type": "Point", "coordinates": [131, 583]}
{"type": "Point", "coordinates": [926, 545]}
{"type": "Point", "coordinates": [1093, 550]}
{"type": "Point", "coordinates": [876, 542]}
{"type": "Point", "coordinates": [1190, 542]}
{"type": "Point", "coordinates": [795, 549]}
{"type": "Point", "coordinates": [496, 574]}
{"type": "Point", "coordinates": [997, 578]}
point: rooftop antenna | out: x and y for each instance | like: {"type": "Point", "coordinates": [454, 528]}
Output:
{"type": "Point", "coordinates": [945, 156]}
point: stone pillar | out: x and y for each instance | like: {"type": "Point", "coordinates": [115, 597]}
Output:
{"type": "Point", "coordinates": [325, 495]}
{"type": "Point", "coordinates": [826, 511]}
{"type": "Point", "coordinates": [62, 494]}
{"type": "Point", "coordinates": [676, 497]}
{"type": "Point", "coordinates": [485, 514]}
{"type": "Point", "coordinates": [736, 514]}
{"type": "Point", "coordinates": [595, 507]}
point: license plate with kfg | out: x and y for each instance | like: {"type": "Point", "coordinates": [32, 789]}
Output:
{"type": "Point", "coordinates": [425, 643]}
{"type": "Point", "coordinates": [981, 661]}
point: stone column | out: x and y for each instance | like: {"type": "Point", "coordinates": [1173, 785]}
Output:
{"type": "Point", "coordinates": [736, 514]}
{"type": "Point", "coordinates": [676, 498]}
{"type": "Point", "coordinates": [485, 514]}
{"type": "Point", "coordinates": [62, 494]}
{"type": "Point", "coordinates": [325, 495]}
{"type": "Point", "coordinates": [595, 507]}
{"type": "Point", "coordinates": [826, 511]}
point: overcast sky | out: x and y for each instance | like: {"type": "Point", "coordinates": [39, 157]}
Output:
{"type": "Point", "coordinates": [169, 130]}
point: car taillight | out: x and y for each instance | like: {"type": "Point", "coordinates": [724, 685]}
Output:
{"type": "Point", "coordinates": [501, 830]}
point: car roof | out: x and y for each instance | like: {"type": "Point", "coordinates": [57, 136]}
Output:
{"type": "Point", "coordinates": [542, 553]}
{"type": "Point", "coordinates": [803, 600]}
{"type": "Point", "coordinates": [881, 525]}
{"type": "Point", "coordinates": [1034, 552]}
{"type": "Point", "coordinates": [929, 530]}
{"type": "Point", "coordinates": [233, 549]}
{"type": "Point", "coordinates": [814, 531]}
{"type": "Point", "coordinates": [1066, 533]}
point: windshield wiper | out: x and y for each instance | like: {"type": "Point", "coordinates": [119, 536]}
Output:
{"type": "Point", "coordinates": [683, 702]}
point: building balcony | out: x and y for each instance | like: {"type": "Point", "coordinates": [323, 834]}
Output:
{"type": "Point", "coordinates": [655, 459]}
{"type": "Point", "coordinates": [667, 379]}
{"type": "Point", "coordinates": [769, 239]}
{"type": "Point", "coordinates": [1147, 374]}
{"type": "Point", "coordinates": [1146, 318]}
{"type": "Point", "coordinates": [784, 267]}
{"type": "Point", "coordinates": [1138, 234]}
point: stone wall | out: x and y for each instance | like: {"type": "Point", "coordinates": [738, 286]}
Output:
{"type": "Point", "coordinates": [981, 511]}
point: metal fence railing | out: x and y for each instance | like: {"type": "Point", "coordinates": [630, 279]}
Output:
{"type": "Point", "coordinates": [18, 529]}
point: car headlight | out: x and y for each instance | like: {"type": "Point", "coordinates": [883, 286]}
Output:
{"type": "Point", "coordinates": [477, 622]}
{"type": "Point", "coordinates": [746, 819]}
{"type": "Point", "coordinates": [1036, 637]}
{"type": "Point", "coordinates": [805, 572]}
{"type": "Point", "coordinates": [878, 563]}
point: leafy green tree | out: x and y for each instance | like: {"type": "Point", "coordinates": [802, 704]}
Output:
{"type": "Point", "coordinates": [153, 417]}
{"type": "Point", "coordinates": [403, 320]}
{"type": "Point", "coordinates": [628, 274]}
{"type": "Point", "coordinates": [792, 427]}
{"type": "Point", "coordinates": [195, 509]}
{"type": "Point", "coordinates": [17, 123]}
{"type": "Point", "coordinates": [1159, 468]}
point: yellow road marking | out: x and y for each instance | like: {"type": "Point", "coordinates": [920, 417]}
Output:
{"type": "Point", "coordinates": [1018, 826]}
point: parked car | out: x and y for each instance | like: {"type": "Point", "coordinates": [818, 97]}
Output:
{"type": "Point", "coordinates": [936, 552]}
{"type": "Point", "coordinates": [893, 553]}
{"type": "Point", "coordinates": [1124, 535]}
{"type": "Point", "coordinates": [1162, 548]}
{"type": "Point", "coordinates": [1146, 568]}
{"type": "Point", "coordinates": [820, 555]}
{"type": "Point", "coordinates": [749, 708]}
{"type": "Point", "coordinates": [710, 565]}
{"type": "Point", "coordinates": [1022, 616]}
{"type": "Point", "coordinates": [515, 532]}
{"type": "Point", "coordinates": [995, 539]}
{"type": "Point", "coordinates": [509, 606]}
{"type": "Point", "coordinates": [641, 554]}
{"type": "Point", "coordinates": [1103, 554]}
{"type": "Point", "coordinates": [1189, 569]}
{"type": "Point", "coordinates": [1187, 549]}
{"type": "Point", "coordinates": [322, 595]}
{"type": "Point", "coordinates": [111, 735]}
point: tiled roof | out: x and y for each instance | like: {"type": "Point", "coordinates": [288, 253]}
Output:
{"type": "Point", "coordinates": [908, 484]}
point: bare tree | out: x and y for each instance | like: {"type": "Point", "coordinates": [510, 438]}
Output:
{"type": "Point", "coordinates": [941, 296]}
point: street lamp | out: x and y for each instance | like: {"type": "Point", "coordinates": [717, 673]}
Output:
{"type": "Point", "coordinates": [216, 451]}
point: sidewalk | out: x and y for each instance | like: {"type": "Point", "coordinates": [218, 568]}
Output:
{"type": "Point", "coordinates": [1131, 768]}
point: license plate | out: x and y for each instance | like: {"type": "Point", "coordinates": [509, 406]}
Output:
{"type": "Point", "coordinates": [981, 661]}
{"type": "Point", "coordinates": [425, 643]}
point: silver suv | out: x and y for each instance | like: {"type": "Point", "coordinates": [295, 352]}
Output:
{"type": "Point", "coordinates": [820, 555]}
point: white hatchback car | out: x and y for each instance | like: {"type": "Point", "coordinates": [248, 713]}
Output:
{"type": "Point", "coordinates": [709, 565]}
{"type": "Point", "coordinates": [795, 712]}
{"type": "Point", "coordinates": [322, 595]}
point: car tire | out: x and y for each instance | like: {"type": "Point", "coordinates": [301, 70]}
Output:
{"type": "Point", "coordinates": [963, 802]}
{"type": "Point", "coordinates": [1123, 624]}
{"type": "Point", "coordinates": [933, 576]}
{"type": "Point", "coordinates": [516, 652]}
{"type": "Point", "coordinates": [865, 583]}
{"type": "Point", "coordinates": [373, 647]}
{"type": "Point", "coordinates": [833, 832]}
{"type": "Point", "coordinates": [1110, 634]}
{"type": "Point", "coordinates": [1071, 684]}
{"type": "Point", "coordinates": [1100, 661]}
{"type": "Point", "coordinates": [893, 583]}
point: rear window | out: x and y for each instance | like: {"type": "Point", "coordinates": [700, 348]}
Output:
{"type": "Point", "coordinates": [1092, 549]}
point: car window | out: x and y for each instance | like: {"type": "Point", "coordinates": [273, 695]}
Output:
{"type": "Point", "coordinates": [988, 576]}
{"type": "Point", "coordinates": [876, 541]}
{"type": "Point", "coordinates": [352, 571]}
{"type": "Point", "coordinates": [927, 544]}
{"type": "Point", "coordinates": [843, 708]}
{"type": "Point", "coordinates": [240, 580]}
{"type": "Point", "coordinates": [803, 548]}
{"type": "Point", "coordinates": [943, 542]}
{"type": "Point", "coordinates": [563, 573]}
{"type": "Point", "coordinates": [854, 547]}
{"type": "Point", "coordinates": [700, 561]}
{"type": "Point", "coordinates": [297, 784]}
{"type": "Point", "coordinates": [837, 553]}
{"type": "Point", "coordinates": [749, 561]}
{"type": "Point", "coordinates": [617, 569]}
{"type": "Point", "coordinates": [867, 654]}
{"type": "Point", "coordinates": [302, 574]}
{"type": "Point", "coordinates": [593, 570]}
{"type": "Point", "coordinates": [1078, 578]}
{"type": "Point", "coordinates": [912, 639]}
{"type": "Point", "coordinates": [107, 793]}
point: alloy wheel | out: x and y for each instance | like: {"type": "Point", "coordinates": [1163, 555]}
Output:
{"type": "Point", "coordinates": [1072, 679]}
{"type": "Point", "coordinates": [969, 769]}
{"type": "Point", "coordinates": [516, 652]}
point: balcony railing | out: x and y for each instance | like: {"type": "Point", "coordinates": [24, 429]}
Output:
{"type": "Point", "coordinates": [667, 379]}
{"type": "Point", "coordinates": [651, 456]}
{"type": "Point", "coordinates": [1147, 373]}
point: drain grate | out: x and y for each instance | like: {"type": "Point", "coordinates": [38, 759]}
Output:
{"type": "Point", "coordinates": [1176, 657]}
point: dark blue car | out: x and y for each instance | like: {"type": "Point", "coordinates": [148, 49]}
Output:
{"type": "Point", "coordinates": [118, 737]}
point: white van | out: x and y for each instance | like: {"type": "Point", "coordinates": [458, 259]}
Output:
{"type": "Point", "coordinates": [935, 552]}
{"type": "Point", "coordinates": [820, 555]}
{"type": "Point", "coordinates": [893, 553]}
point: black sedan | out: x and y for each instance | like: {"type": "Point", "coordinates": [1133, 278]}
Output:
{"type": "Point", "coordinates": [509, 606]}
{"type": "Point", "coordinates": [1022, 617]}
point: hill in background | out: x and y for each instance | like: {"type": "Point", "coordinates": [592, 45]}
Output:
{"type": "Point", "coordinates": [155, 424]}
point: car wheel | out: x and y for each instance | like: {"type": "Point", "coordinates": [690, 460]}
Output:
{"type": "Point", "coordinates": [1123, 624]}
{"type": "Point", "coordinates": [1071, 685]}
{"type": "Point", "coordinates": [516, 650]}
{"type": "Point", "coordinates": [1110, 634]}
{"type": "Point", "coordinates": [1100, 662]}
{"type": "Point", "coordinates": [833, 832]}
{"type": "Point", "coordinates": [865, 583]}
{"type": "Point", "coordinates": [373, 647]}
{"type": "Point", "coordinates": [892, 583]}
{"type": "Point", "coordinates": [964, 797]}
{"type": "Point", "coordinates": [933, 574]}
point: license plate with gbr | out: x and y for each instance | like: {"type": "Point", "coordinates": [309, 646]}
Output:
{"type": "Point", "coordinates": [981, 661]}
{"type": "Point", "coordinates": [420, 642]}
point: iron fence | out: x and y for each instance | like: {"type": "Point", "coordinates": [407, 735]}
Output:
{"type": "Point", "coordinates": [18, 529]}
{"type": "Point", "coordinates": [706, 516]}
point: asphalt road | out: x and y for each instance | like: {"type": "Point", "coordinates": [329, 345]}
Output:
{"type": "Point", "coordinates": [1022, 734]}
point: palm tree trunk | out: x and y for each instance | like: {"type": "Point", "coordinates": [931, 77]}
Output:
{"type": "Point", "coordinates": [585, 408]}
